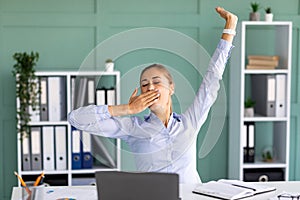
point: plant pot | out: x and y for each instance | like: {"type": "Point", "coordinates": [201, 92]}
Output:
{"type": "Point", "coordinates": [254, 16]}
{"type": "Point", "coordinates": [249, 112]}
{"type": "Point", "coordinates": [109, 67]}
{"type": "Point", "coordinates": [269, 17]}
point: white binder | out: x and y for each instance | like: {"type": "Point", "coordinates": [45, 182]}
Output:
{"type": "Point", "coordinates": [56, 98]}
{"type": "Point", "coordinates": [48, 147]}
{"type": "Point", "coordinates": [100, 97]}
{"type": "Point", "coordinates": [44, 99]}
{"type": "Point", "coordinates": [91, 91]}
{"type": "Point", "coordinates": [36, 156]}
{"type": "Point", "coordinates": [111, 96]}
{"type": "Point", "coordinates": [26, 161]}
{"type": "Point", "coordinates": [61, 147]}
{"type": "Point", "coordinates": [280, 95]}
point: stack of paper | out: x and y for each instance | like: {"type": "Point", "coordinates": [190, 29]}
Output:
{"type": "Point", "coordinates": [231, 189]}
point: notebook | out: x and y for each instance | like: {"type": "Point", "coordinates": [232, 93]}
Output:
{"type": "Point", "coordinates": [116, 185]}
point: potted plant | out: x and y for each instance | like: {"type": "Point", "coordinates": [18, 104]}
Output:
{"type": "Point", "coordinates": [109, 65]}
{"type": "Point", "coordinates": [268, 154]}
{"type": "Point", "coordinates": [268, 14]}
{"type": "Point", "coordinates": [27, 90]}
{"type": "Point", "coordinates": [249, 108]}
{"type": "Point", "coordinates": [254, 15]}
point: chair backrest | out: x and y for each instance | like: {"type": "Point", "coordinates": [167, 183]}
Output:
{"type": "Point", "coordinates": [116, 185]}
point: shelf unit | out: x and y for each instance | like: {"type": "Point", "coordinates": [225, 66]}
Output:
{"type": "Point", "coordinates": [68, 175]}
{"type": "Point", "coordinates": [259, 38]}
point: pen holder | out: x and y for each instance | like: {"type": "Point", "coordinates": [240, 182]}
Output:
{"type": "Point", "coordinates": [31, 192]}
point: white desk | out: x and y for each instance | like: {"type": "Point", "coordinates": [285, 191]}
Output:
{"type": "Point", "coordinates": [185, 191]}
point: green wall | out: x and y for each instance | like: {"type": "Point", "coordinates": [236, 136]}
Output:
{"type": "Point", "coordinates": [65, 31]}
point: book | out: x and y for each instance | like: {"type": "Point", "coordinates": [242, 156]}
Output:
{"type": "Point", "coordinates": [231, 189]}
{"type": "Point", "coordinates": [263, 57]}
{"type": "Point", "coordinates": [260, 67]}
{"type": "Point", "coordinates": [263, 62]}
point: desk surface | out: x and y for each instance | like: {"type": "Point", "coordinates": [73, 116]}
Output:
{"type": "Point", "coordinates": [185, 191]}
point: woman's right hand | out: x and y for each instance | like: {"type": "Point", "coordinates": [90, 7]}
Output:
{"type": "Point", "coordinates": [139, 103]}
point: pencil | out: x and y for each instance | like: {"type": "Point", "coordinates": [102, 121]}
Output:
{"type": "Point", "coordinates": [23, 183]}
{"type": "Point", "coordinates": [37, 181]}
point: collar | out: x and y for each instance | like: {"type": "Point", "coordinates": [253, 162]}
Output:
{"type": "Point", "coordinates": [152, 115]}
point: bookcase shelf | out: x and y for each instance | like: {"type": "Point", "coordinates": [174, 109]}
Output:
{"type": "Point", "coordinates": [270, 129]}
{"type": "Point", "coordinates": [68, 95]}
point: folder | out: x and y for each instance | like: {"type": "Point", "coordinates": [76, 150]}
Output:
{"type": "Point", "coordinates": [251, 142]}
{"type": "Point", "coordinates": [73, 81]}
{"type": "Point", "coordinates": [56, 98]}
{"type": "Point", "coordinates": [100, 97]}
{"type": "Point", "coordinates": [244, 141]}
{"type": "Point", "coordinates": [76, 152]}
{"type": "Point", "coordinates": [81, 92]}
{"type": "Point", "coordinates": [280, 95]}
{"type": "Point", "coordinates": [101, 152]}
{"type": "Point", "coordinates": [36, 156]}
{"type": "Point", "coordinates": [87, 159]}
{"type": "Point", "coordinates": [111, 96]}
{"type": "Point", "coordinates": [26, 161]}
{"type": "Point", "coordinates": [263, 93]}
{"type": "Point", "coordinates": [44, 99]}
{"type": "Point", "coordinates": [91, 91]}
{"type": "Point", "coordinates": [61, 147]}
{"type": "Point", "coordinates": [48, 147]}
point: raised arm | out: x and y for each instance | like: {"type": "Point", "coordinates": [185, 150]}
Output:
{"type": "Point", "coordinates": [207, 93]}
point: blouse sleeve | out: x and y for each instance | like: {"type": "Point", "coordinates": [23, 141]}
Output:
{"type": "Point", "coordinates": [97, 120]}
{"type": "Point", "coordinates": [207, 93]}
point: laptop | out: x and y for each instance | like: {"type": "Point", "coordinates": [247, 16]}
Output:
{"type": "Point", "coordinates": [117, 185]}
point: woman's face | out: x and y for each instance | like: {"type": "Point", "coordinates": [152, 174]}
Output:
{"type": "Point", "coordinates": [155, 79]}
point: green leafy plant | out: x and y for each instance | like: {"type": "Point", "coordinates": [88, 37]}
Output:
{"type": "Point", "coordinates": [255, 6]}
{"type": "Point", "coordinates": [249, 103]}
{"type": "Point", "coordinates": [267, 156]}
{"type": "Point", "coordinates": [27, 90]}
{"type": "Point", "coordinates": [268, 10]}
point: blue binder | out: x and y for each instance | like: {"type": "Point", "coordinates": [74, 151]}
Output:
{"type": "Point", "coordinates": [87, 159]}
{"type": "Point", "coordinates": [76, 149]}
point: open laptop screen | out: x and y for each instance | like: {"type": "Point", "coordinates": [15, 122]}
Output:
{"type": "Point", "coordinates": [116, 185]}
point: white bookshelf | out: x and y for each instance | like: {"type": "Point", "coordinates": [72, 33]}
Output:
{"type": "Point", "coordinates": [271, 38]}
{"type": "Point", "coordinates": [69, 174]}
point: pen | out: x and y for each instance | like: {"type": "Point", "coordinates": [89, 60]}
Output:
{"type": "Point", "coordinates": [23, 183]}
{"type": "Point", "coordinates": [42, 180]}
{"type": "Point", "coordinates": [37, 181]}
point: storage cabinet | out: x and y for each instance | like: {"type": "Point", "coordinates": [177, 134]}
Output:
{"type": "Point", "coordinates": [68, 156]}
{"type": "Point", "coordinates": [266, 140]}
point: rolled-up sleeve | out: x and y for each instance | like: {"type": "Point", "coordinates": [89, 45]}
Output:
{"type": "Point", "coordinates": [207, 93]}
{"type": "Point", "coordinates": [97, 120]}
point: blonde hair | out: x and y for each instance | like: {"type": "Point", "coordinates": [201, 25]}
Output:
{"type": "Point", "coordinates": [162, 68]}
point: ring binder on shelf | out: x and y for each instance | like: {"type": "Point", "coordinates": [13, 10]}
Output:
{"type": "Point", "coordinates": [87, 159]}
{"type": "Point", "coordinates": [36, 156]}
{"type": "Point", "coordinates": [61, 147]}
{"type": "Point", "coordinates": [76, 152]}
{"type": "Point", "coordinates": [26, 161]}
{"type": "Point", "coordinates": [48, 147]}
{"type": "Point", "coordinates": [44, 99]}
